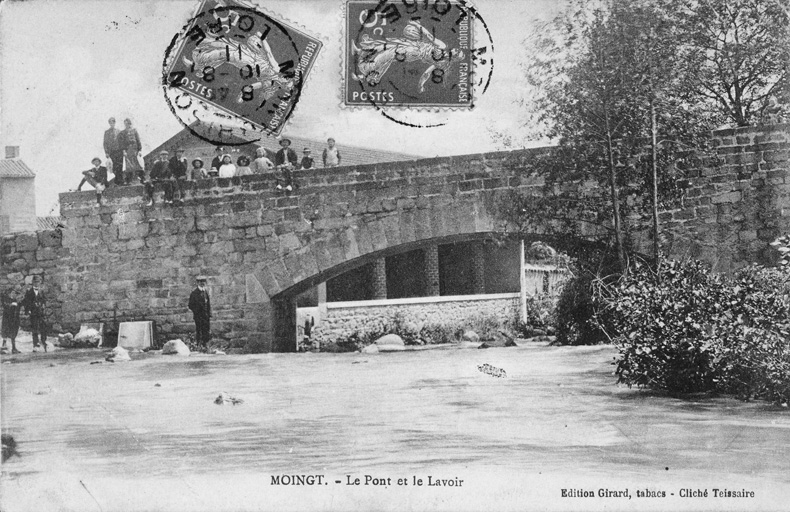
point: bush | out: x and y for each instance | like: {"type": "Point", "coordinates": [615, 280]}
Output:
{"type": "Point", "coordinates": [541, 312]}
{"type": "Point", "coordinates": [685, 329]}
{"type": "Point", "coordinates": [408, 330]}
{"type": "Point", "coordinates": [575, 313]}
{"type": "Point", "coordinates": [486, 326]}
{"type": "Point", "coordinates": [434, 333]}
{"type": "Point", "coordinates": [361, 338]}
{"type": "Point", "coordinates": [417, 333]}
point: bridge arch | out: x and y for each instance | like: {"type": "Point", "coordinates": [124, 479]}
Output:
{"type": "Point", "coordinates": [260, 248]}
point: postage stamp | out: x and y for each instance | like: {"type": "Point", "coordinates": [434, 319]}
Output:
{"type": "Point", "coordinates": [247, 64]}
{"type": "Point", "coordinates": [409, 54]}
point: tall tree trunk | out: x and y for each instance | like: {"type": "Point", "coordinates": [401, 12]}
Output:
{"type": "Point", "coordinates": [618, 231]}
{"type": "Point", "coordinates": [654, 165]}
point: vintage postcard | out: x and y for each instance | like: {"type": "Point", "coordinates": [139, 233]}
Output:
{"type": "Point", "coordinates": [370, 255]}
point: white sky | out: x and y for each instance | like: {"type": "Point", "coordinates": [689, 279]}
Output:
{"type": "Point", "coordinates": [66, 66]}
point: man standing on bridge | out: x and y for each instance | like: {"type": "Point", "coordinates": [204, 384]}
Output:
{"type": "Point", "coordinates": [200, 304]}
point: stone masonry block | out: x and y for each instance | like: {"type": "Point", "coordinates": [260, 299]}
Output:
{"type": "Point", "coordinates": [26, 242]}
{"type": "Point", "coordinates": [364, 238]}
{"type": "Point", "coordinates": [729, 197]}
{"type": "Point", "coordinates": [406, 226]}
{"type": "Point", "coordinates": [378, 237]}
{"type": "Point", "coordinates": [50, 238]}
{"type": "Point", "coordinates": [423, 229]}
{"type": "Point", "coordinates": [350, 245]}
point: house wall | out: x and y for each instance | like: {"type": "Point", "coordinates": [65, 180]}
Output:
{"type": "Point", "coordinates": [17, 205]}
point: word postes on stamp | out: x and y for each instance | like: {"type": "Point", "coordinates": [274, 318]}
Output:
{"type": "Point", "coordinates": [233, 63]}
{"type": "Point", "coordinates": [409, 53]}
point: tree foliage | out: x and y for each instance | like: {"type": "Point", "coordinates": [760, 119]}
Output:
{"type": "Point", "coordinates": [737, 54]}
{"type": "Point", "coordinates": [684, 329]}
{"type": "Point", "coordinates": [630, 89]}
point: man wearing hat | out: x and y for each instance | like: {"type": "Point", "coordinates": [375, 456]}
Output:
{"type": "Point", "coordinates": [217, 161]}
{"type": "Point", "coordinates": [35, 305]}
{"type": "Point", "coordinates": [113, 151]}
{"type": "Point", "coordinates": [96, 177]}
{"type": "Point", "coordinates": [286, 160]}
{"type": "Point", "coordinates": [160, 172]}
{"type": "Point", "coordinates": [286, 155]}
{"type": "Point", "coordinates": [307, 160]}
{"type": "Point", "coordinates": [178, 171]}
{"type": "Point", "coordinates": [200, 304]}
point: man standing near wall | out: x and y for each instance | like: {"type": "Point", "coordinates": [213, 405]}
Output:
{"type": "Point", "coordinates": [200, 304]}
{"type": "Point", "coordinates": [113, 151]}
{"type": "Point", "coordinates": [35, 306]}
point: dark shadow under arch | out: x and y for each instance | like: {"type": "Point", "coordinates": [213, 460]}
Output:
{"type": "Point", "coordinates": [284, 303]}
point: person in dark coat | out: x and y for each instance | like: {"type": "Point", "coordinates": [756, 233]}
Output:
{"type": "Point", "coordinates": [95, 177]}
{"type": "Point", "coordinates": [160, 173]}
{"type": "Point", "coordinates": [286, 160]}
{"type": "Point", "coordinates": [113, 151]}
{"type": "Point", "coordinates": [200, 304]}
{"type": "Point", "coordinates": [129, 141]}
{"type": "Point", "coordinates": [35, 304]}
{"type": "Point", "coordinates": [216, 162]}
{"type": "Point", "coordinates": [307, 160]}
{"type": "Point", "coordinates": [11, 309]}
{"type": "Point", "coordinates": [178, 171]}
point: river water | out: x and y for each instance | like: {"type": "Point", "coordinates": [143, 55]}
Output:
{"type": "Point", "coordinates": [147, 435]}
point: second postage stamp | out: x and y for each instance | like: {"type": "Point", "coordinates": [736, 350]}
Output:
{"type": "Point", "coordinates": [408, 54]}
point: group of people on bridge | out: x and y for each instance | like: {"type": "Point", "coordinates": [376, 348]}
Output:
{"type": "Point", "coordinates": [123, 148]}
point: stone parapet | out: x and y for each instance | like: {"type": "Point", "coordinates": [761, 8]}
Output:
{"type": "Point", "coordinates": [128, 261]}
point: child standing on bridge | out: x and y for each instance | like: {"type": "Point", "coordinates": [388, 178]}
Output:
{"type": "Point", "coordinates": [331, 155]}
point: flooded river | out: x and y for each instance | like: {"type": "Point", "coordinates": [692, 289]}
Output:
{"type": "Point", "coordinates": [147, 435]}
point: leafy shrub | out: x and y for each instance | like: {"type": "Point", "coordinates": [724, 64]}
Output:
{"type": "Point", "coordinates": [416, 333]}
{"type": "Point", "coordinates": [435, 333]}
{"type": "Point", "coordinates": [575, 313]}
{"type": "Point", "coordinates": [782, 245]}
{"type": "Point", "coordinates": [408, 330]}
{"type": "Point", "coordinates": [684, 329]}
{"type": "Point", "coordinates": [541, 311]}
{"type": "Point", "coordinates": [485, 325]}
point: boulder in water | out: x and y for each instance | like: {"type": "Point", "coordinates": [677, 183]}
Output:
{"type": "Point", "coordinates": [118, 354]}
{"type": "Point", "coordinates": [175, 347]}
{"type": "Point", "coordinates": [470, 335]}
{"type": "Point", "coordinates": [225, 398]}
{"type": "Point", "coordinates": [370, 349]}
{"type": "Point", "coordinates": [389, 339]}
{"type": "Point", "coordinates": [502, 342]}
{"type": "Point", "coordinates": [87, 338]}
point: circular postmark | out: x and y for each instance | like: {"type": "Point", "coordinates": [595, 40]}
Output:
{"type": "Point", "coordinates": [233, 74]}
{"type": "Point", "coordinates": [415, 61]}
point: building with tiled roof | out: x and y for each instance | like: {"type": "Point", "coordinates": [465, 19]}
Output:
{"type": "Point", "coordinates": [195, 147]}
{"type": "Point", "coordinates": [15, 169]}
{"type": "Point", "coordinates": [46, 223]}
{"type": "Point", "coordinates": [17, 194]}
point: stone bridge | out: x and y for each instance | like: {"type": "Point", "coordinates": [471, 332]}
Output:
{"type": "Point", "coordinates": [259, 249]}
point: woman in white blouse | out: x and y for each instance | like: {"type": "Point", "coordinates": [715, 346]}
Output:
{"type": "Point", "coordinates": [227, 169]}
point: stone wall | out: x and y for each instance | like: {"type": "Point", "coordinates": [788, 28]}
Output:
{"type": "Point", "coordinates": [24, 255]}
{"type": "Point", "coordinates": [737, 202]}
{"type": "Point", "coordinates": [341, 319]}
{"type": "Point", "coordinates": [259, 249]}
